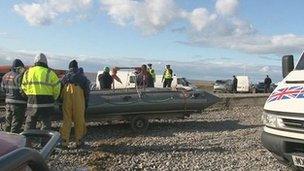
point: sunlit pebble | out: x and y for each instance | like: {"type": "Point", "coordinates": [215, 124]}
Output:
{"type": "Point", "coordinates": [180, 146]}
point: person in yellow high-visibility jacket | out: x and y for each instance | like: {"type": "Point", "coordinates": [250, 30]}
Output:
{"type": "Point", "coordinates": [75, 95]}
{"type": "Point", "coordinates": [167, 77]}
{"type": "Point", "coordinates": [42, 87]}
{"type": "Point", "coordinates": [152, 72]}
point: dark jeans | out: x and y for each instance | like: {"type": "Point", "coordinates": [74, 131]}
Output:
{"type": "Point", "coordinates": [234, 89]}
{"type": "Point", "coordinates": [15, 116]}
{"type": "Point", "coordinates": [43, 114]}
{"type": "Point", "coordinates": [267, 89]}
{"type": "Point", "coordinates": [167, 83]}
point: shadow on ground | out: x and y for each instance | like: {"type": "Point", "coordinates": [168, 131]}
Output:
{"type": "Point", "coordinates": [167, 129]}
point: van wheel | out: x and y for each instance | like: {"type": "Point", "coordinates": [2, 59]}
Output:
{"type": "Point", "coordinates": [139, 124]}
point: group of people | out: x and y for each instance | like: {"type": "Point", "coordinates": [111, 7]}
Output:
{"type": "Point", "coordinates": [31, 94]}
{"type": "Point", "coordinates": [145, 76]}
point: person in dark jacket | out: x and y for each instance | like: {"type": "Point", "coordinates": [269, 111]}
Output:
{"type": "Point", "coordinates": [88, 84]}
{"type": "Point", "coordinates": [15, 101]}
{"type": "Point", "coordinates": [75, 94]}
{"type": "Point", "coordinates": [234, 84]}
{"type": "Point", "coordinates": [105, 79]}
{"type": "Point", "coordinates": [267, 83]}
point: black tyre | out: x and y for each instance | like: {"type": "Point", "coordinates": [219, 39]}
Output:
{"type": "Point", "coordinates": [139, 124]}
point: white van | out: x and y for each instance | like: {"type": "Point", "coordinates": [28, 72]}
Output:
{"type": "Point", "coordinates": [128, 80]}
{"type": "Point", "coordinates": [243, 84]}
{"type": "Point", "coordinates": [283, 116]}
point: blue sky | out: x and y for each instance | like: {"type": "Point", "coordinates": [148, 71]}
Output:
{"type": "Point", "coordinates": [202, 39]}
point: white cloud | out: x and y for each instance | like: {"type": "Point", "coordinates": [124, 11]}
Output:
{"type": "Point", "coordinates": [150, 16]}
{"type": "Point", "coordinates": [228, 31]}
{"type": "Point", "coordinates": [226, 7]}
{"type": "Point", "coordinates": [36, 14]}
{"type": "Point", "coordinates": [46, 12]}
{"type": "Point", "coordinates": [200, 18]}
{"type": "Point", "coordinates": [219, 28]}
{"type": "Point", "coordinates": [121, 11]}
{"type": "Point", "coordinates": [265, 69]}
{"type": "Point", "coordinates": [3, 33]}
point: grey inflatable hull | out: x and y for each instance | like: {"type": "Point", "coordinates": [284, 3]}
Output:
{"type": "Point", "coordinates": [148, 102]}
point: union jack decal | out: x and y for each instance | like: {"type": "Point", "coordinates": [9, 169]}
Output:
{"type": "Point", "coordinates": [287, 93]}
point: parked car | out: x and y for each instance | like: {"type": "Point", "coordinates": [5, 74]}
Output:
{"type": "Point", "coordinates": [223, 86]}
{"type": "Point", "coordinates": [22, 152]}
{"type": "Point", "coordinates": [260, 87]}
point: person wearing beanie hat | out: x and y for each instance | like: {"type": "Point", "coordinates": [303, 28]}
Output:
{"type": "Point", "coordinates": [40, 59]}
{"type": "Point", "coordinates": [75, 96]}
{"type": "Point", "coordinates": [106, 69]}
{"type": "Point", "coordinates": [105, 79]}
{"type": "Point", "coordinates": [42, 87]}
{"type": "Point", "coordinates": [15, 102]}
{"type": "Point", "coordinates": [73, 64]}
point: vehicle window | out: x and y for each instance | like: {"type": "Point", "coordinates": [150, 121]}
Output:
{"type": "Point", "coordinates": [300, 65]}
{"type": "Point", "coordinates": [219, 81]}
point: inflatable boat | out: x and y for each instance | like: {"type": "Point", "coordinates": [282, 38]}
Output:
{"type": "Point", "coordinates": [138, 106]}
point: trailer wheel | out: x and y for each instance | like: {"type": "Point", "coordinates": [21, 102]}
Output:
{"type": "Point", "coordinates": [139, 124]}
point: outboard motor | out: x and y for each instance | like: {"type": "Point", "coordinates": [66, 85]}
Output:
{"type": "Point", "coordinates": [287, 65]}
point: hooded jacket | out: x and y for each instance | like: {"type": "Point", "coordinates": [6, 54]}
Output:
{"type": "Point", "coordinates": [11, 84]}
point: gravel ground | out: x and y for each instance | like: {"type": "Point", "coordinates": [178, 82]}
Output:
{"type": "Point", "coordinates": [217, 140]}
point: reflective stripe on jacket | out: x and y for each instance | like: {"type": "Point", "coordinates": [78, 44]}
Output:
{"type": "Point", "coordinates": [11, 83]}
{"type": "Point", "coordinates": [152, 72]}
{"type": "Point", "coordinates": [168, 74]}
{"type": "Point", "coordinates": [39, 80]}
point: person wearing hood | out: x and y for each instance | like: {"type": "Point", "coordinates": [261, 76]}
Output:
{"type": "Point", "coordinates": [75, 95]}
{"type": "Point", "coordinates": [105, 79]}
{"type": "Point", "coordinates": [42, 87]}
{"type": "Point", "coordinates": [14, 100]}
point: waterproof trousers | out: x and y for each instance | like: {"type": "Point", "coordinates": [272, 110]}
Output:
{"type": "Point", "coordinates": [167, 83]}
{"type": "Point", "coordinates": [73, 109]}
{"type": "Point", "coordinates": [15, 116]}
{"type": "Point", "coordinates": [39, 108]}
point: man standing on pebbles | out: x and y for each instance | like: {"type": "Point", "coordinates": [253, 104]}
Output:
{"type": "Point", "coordinates": [15, 102]}
{"type": "Point", "coordinates": [42, 87]}
{"type": "Point", "coordinates": [75, 95]}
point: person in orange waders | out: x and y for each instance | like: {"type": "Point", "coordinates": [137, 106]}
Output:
{"type": "Point", "coordinates": [75, 95]}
